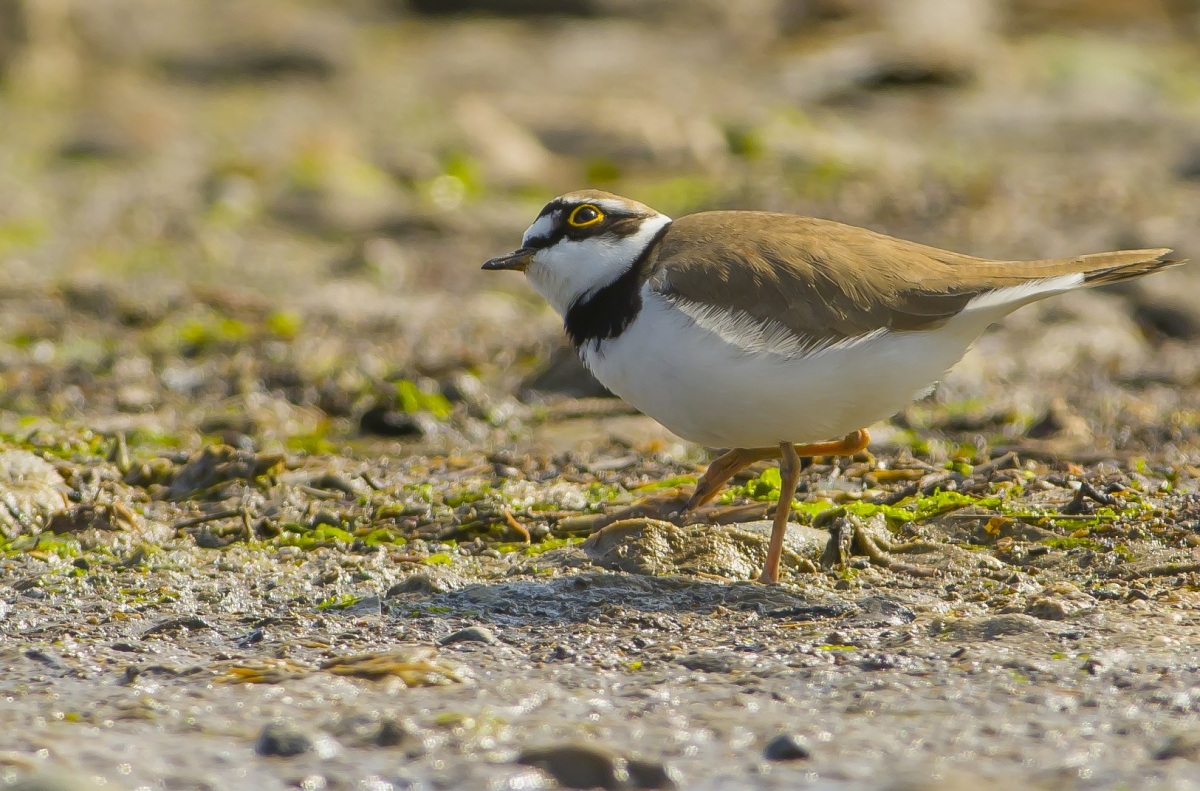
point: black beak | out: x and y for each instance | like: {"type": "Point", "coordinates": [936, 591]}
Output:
{"type": "Point", "coordinates": [517, 259]}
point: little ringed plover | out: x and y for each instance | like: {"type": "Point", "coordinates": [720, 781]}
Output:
{"type": "Point", "coordinates": [755, 331]}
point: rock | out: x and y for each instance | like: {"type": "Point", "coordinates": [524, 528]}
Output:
{"type": "Point", "coordinates": [580, 766]}
{"type": "Point", "coordinates": [1049, 608]}
{"type": "Point", "coordinates": [713, 661]}
{"type": "Point", "coordinates": [1177, 318]}
{"type": "Point", "coordinates": [651, 774]}
{"type": "Point", "coordinates": [1185, 745]}
{"type": "Point", "coordinates": [368, 732]}
{"type": "Point", "coordinates": [392, 733]}
{"type": "Point", "coordinates": [994, 627]}
{"type": "Point", "coordinates": [382, 420]}
{"type": "Point", "coordinates": [277, 739]}
{"type": "Point", "coordinates": [472, 634]}
{"type": "Point", "coordinates": [650, 546]}
{"type": "Point", "coordinates": [420, 584]}
{"type": "Point", "coordinates": [31, 492]}
{"type": "Point", "coordinates": [787, 747]}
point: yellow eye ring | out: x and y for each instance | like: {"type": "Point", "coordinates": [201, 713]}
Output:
{"type": "Point", "coordinates": [584, 216]}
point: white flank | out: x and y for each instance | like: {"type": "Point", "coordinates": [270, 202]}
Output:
{"type": "Point", "coordinates": [706, 383]}
{"type": "Point", "coordinates": [570, 270]}
{"type": "Point", "coordinates": [1003, 301]}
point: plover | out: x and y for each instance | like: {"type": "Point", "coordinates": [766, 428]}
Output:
{"type": "Point", "coordinates": [755, 331]}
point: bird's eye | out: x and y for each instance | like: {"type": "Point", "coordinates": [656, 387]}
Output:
{"type": "Point", "coordinates": [585, 215]}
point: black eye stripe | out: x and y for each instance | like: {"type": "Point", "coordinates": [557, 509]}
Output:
{"type": "Point", "coordinates": [614, 223]}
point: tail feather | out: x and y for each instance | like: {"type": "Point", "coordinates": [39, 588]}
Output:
{"type": "Point", "coordinates": [1125, 265]}
{"type": "Point", "coordinates": [1029, 281]}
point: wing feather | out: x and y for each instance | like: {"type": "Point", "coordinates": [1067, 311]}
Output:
{"type": "Point", "coordinates": [824, 283]}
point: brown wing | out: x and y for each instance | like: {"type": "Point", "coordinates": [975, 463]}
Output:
{"type": "Point", "coordinates": [825, 281]}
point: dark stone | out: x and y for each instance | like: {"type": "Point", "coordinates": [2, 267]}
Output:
{"type": "Point", "coordinates": [711, 662]}
{"type": "Point", "coordinates": [786, 747]}
{"type": "Point", "coordinates": [472, 634]}
{"type": "Point", "coordinates": [580, 766]}
{"type": "Point", "coordinates": [392, 733]}
{"type": "Point", "coordinates": [651, 774]}
{"type": "Point", "coordinates": [882, 611]}
{"type": "Point", "coordinates": [382, 420]}
{"type": "Point", "coordinates": [1180, 745]}
{"type": "Point", "coordinates": [250, 638]}
{"type": "Point", "coordinates": [277, 739]}
{"type": "Point", "coordinates": [422, 584]}
{"type": "Point", "coordinates": [1166, 320]}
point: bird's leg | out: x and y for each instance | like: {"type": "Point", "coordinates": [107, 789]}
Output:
{"type": "Point", "coordinates": [789, 474]}
{"type": "Point", "coordinates": [722, 469]}
{"type": "Point", "coordinates": [848, 445]}
{"type": "Point", "coordinates": [731, 463]}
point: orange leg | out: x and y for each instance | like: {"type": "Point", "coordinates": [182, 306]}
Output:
{"type": "Point", "coordinates": [789, 475]}
{"type": "Point", "coordinates": [731, 463]}
{"type": "Point", "coordinates": [722, 469]}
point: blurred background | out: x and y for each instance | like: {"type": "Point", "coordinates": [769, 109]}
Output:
{"type": "Point", "coordinates": [264, 220]}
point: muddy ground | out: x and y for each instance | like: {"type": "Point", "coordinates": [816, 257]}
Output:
{"type": "Point", "coordinates": [295, 496]}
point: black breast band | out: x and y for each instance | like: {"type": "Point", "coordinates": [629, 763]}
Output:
{"type": "Point", "coordinates": [607, 312]}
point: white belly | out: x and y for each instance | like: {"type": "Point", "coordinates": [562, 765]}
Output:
{"type": "Point", "coordinates": [710, 390]}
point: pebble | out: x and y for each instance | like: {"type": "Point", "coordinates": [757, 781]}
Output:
{"type": "Point", "coordinates": [419, 583]}
{"type": "Point", "coordinates": [1048, 609]}
{"type": "Point", "coordinates": [579, 766]}
{"type": "Point", "coordinates": [1184, 745]}
{"type": "Point", "coordinates": [651, 774]}
{"type": "Point", "coordinates": [472, 634]}
{"type": "Point", "coordinates": [786, 747]}
{"type": "Point", "coordinates": [282, 740]}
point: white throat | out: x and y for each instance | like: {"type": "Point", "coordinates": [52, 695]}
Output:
{"type": "Point", "coordinates": [568, 271]}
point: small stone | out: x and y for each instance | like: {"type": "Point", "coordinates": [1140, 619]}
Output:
{"type": "Point", "coordinates": [1048, 609]}
{"type": "Point", "coordinates": [277, 739]}
{"type": "Point", "coordinates": [652, 774]}
{"type": "Point", "coordinates": [392, 733]}
{"type": "Point", "coordinates": [786, 747]}
{"type": "Point", "coordinates": [580, 766]}
{"type": "Point", "coordinates": [472, 634]}
{"type": "Point", "coordinates": [419, 583]}
{"type": "Point", "coordinates": [383, 421]}
{"type": "Point", "coordinates": [1184, 745]}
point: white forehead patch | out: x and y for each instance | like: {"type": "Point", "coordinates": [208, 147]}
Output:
{"type": "Point", "coordinates": [541, 229]}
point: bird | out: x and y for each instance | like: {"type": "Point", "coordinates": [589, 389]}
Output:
{"type": "Point", "coordinates": [775, 336]}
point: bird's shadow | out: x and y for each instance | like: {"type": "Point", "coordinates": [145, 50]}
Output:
{"type": "Point", "coordinates": [580, 597]}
